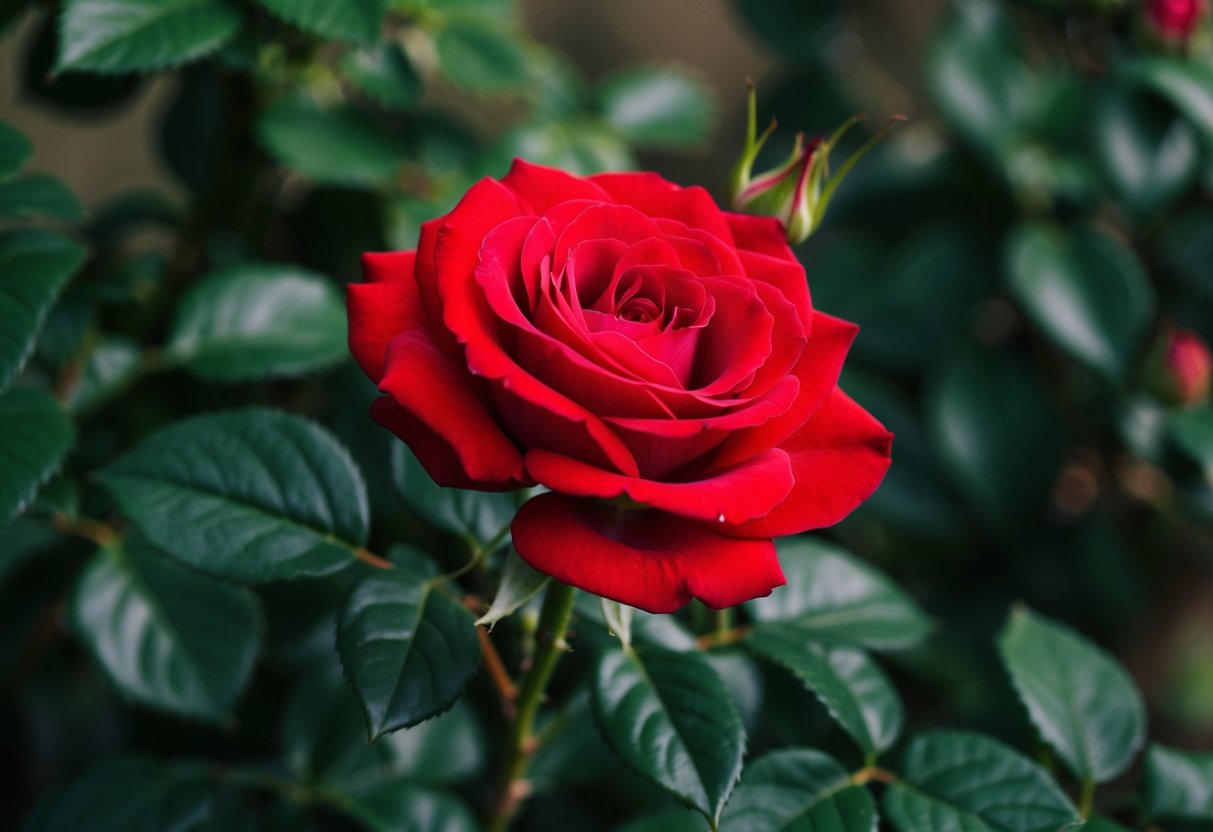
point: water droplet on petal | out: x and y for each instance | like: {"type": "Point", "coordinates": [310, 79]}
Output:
{"type": "Point", "coordinates": [505, 382]}
{"type": "Point", "coordinates": [720, 517]}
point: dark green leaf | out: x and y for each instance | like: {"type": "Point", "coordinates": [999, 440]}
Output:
{"type": "Point", "coordinates": [167, 637]}
{"type": "Point", "coordinates": [114, 36]}
{"type": "Point", "coordinates": [352, 20]}
{"type": "Point", "coordinates": [519, 584]}
{"type": "Point", "coordinates": [397, 806]}
{"type": "Point", "coordinates": [961, 781]}
{"type": "Point", "coordinates": [671, 820]}
{"type": "Point", "coordinates": [248, 495]}
{"type": "Point", "coordinates": [480, 56]}
{"type": "Point", "coordinates": [128, 794]}
{"type": "Point", "coordinates": [1192, 432]}
{"type": "Point", "coordinates": [112, 365]}
{"type": "Point", "coordinates": [977, 77]}
{"type": "Point", "coordinates": [1186, 84]}
{"type": "Point", "coordinates": [383, 74]}
{"type": "Point", "coordinates": [1084, 289]}
{"type": "Point", "coordinates": [340, 147]}
{"type": "Point", "coordinates": [983, 409]}
{"type": "Point", "coordinates": [576, 146]}
{"type": "Point", "coordinates": [35, 195]}
{"type": "Point", "coordinates": [801, 790]}
{"type": "Point", "coordinates": [1187, 242]}
{"type": "Point", "coordinates": [407, 648]}
{"type": "Point", "coordinates": [34, 266]}
{"type": "Point", "coordinates": [1097, 823]}
{"type": "Point", "coordinates": [661, 106]}
{"type": "Point", "coordinates": [1082, 702]}
{"type": "Point", "coordinates": [1148, 153]}
{"type": "Point", "coordinates": [798, 29]}
{"type": "Point", "coordinates": [15, 150]}
{"type": "Point", "coordinates": [474, 515]}
{"type": "Point", "coordinates": [852, 687]}
{"type": "Point", "coordinates": [1178, 785]}
{"type": "Point", "coordinates": [35, 434]}
{"type": "Point", "coordinates": [831, 593]}
{"type": "Point", "coordinates": [258, 320]}
{"type": "Point", "coordinates": [668, 716]}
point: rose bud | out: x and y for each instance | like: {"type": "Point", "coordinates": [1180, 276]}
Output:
{"type": "Point", "coordinates": [1173, 20]}
{"type": "Point", "coordinates": [798, 191]}
{"type": "Point", "coordinates": [655, 362]}
{"type": "Point", "coordinates": [1185, 371]}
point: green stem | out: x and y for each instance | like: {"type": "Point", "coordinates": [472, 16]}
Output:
{"type": "Point", "coordinates": [1086, 798]}
{"type": "Point", "coordinates": [549, 638]}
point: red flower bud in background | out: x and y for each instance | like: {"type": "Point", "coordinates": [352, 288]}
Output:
{"type": "Point", "coordinates": [1174, 20]}
{"type": "Point", "coordinates": [1187, 368]}
{"type": "Point", "coordinates": [797, 191]}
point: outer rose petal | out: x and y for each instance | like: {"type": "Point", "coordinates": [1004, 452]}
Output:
{"type": "Point", "coordinates": [435, 455]}
{"type": "Point", "coordinates": [762, 234]}
{"type": "Point", "coordinates": [382, 308]}
{"type": "Point", "coordinates": [542, 187]}
{"type": "Point", "coordinates": [424, 381]}
{"type": "Point", "coordinates": [658, 197]}
{"type": "Point", "coordinates": [744, 492]}
{"type": "Point", "coordinates": [839, 458]}
{"type": "Point", "coordinates": [646, 559]}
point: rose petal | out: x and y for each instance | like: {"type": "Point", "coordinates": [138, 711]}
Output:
{"type": "Point", "coordinates": [543, 187]}
{"type": "Point", "coordinates": [429, 385]}
{"type": "Point", "coordinates": [382, 308]}
{"type": "Point", "coordinates": [745, 492]}
{"type": "Point", "coordinates": [658, 197]}
{"type": "Point", "coordinates": [818, 369]}
{"type": "Point", "coordinates": [646, 559]}
{"type": "Point", "coordinates": [765, 235]}
{"type": "Point", "coordinates": [838, 458]}
{"type": "Point", "coordinates": [432, 451]}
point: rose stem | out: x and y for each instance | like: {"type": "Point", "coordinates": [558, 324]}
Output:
{"type": "Point", "coordinates": [549, 644]}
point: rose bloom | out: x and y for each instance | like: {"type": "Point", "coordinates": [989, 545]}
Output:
{"type": "Point", "coordinates": [654, 361]}
{"type": "Point", "coordinates": [1188, 368]}
{"type": "Point", "coordinates": [1174, 19]}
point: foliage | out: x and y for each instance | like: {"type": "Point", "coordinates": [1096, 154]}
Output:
{"type": "Point", "coordinates": [230, 601]}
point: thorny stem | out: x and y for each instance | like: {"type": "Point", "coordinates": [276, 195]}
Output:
{"type": "Point", "coordinates": [549, 638]}
{"type": "Point", "coordinates": [506, 690]}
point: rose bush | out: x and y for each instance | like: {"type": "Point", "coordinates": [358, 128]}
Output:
{"type": "Point", "coordinates": [654, 361]}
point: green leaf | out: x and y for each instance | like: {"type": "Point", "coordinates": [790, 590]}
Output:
{"type": "Point", "coordinates": [983, 409]}
{"type": "Point", "coordinates": [659, 106]}
{"type": "Point", "coordinates": [961, 781]}
{"type": "Point", "coordinates": [852, 687]}
{"type": "Point", "coordinates": [128, 794]}
{"type": "Point", "coordinates": [977, 77]}
{"type": "Point", "coordinates": [338, 147]}
{"type": "Point", "coordinates": [35, 434]}
{"type": "Point", "coordinates": [579, 147]}
{"type": "Point", "coordinates": [1084, 289]}
{"type": "Point", "coordinates": [34, 266]}
{"type": "Point", "coordinates": [383, 74]}
{"type": "Point", "coordinates": [668, 716]}
{"type": "Point", "coordinates": [112, 365]}
{"type": "Point", "coordinates": [799, 789]}
{"type": "Point", "coordinates": [477, 516]}
{"type": "Point", "coordinates": [831, 593]}
{"type": "Point", "coordinates": [1082, 702]}
{"type": "Point", "coordinates": [35, 195]}
{"type": "Point", "coordinates": [671, 820]}
{"type": "Point", "coordinates": [166, 637]}
{"type": "Point", "coordinates": [15, 150]}
{"type": "Point", "coordinates": [1147, 152]}
{"type": "Point", "coordinates": [1186, 84]}
{"type": "Point", "coordinates": [325, 741]}
{"type": "Point", "coordinates": [253, 321]}
{"type": "Point", "coordinates": [400, 805]}
{"type": "Point", "coordinates": [1098, 823]}
{"type": "Point", "coordinates": [480, 56]}
{"type": "Point", "coordinates": [519, 584]}
{"type": "Point", "coordinates": [408, 649]}
{"type": "Point", "coordinates": [350, 20]}
{"type": "Point", "coordinates": [1178, 785]}
{"type": "Point", "coordinates": [247, 495]}
{"type": "Point", "coordinates": [115, 36]}
{"type": "Point", "coordinates": [1192, 433]}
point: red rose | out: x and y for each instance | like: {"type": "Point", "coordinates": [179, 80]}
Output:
{"type": "Point", "coordinates": [1188, 376]}
{"type": "Point", "coordinates": [654, 361]}
{"type": "Point", "coordinates": [1174, 19]}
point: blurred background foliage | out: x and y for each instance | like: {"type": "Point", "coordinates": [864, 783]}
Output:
{"type": "Point", "coordinates": [1020, 258]}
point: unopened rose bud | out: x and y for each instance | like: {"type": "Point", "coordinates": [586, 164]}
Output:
{"type": "Point", "coordinates": [1187, 368]}
{"type": "Point", "coordinates": [1174, 20]}
{"type": "Point", "coordinates": [797, 191]}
